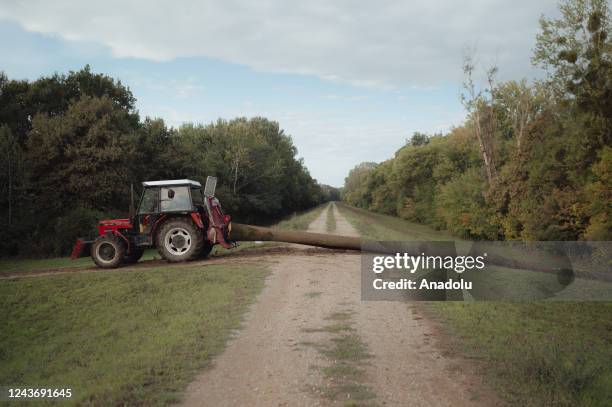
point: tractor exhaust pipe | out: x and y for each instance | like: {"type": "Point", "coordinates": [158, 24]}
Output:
{"type": "Point", "coordinates": [132, 202]}
{"type": "Point", "coordinates": [255, 233]}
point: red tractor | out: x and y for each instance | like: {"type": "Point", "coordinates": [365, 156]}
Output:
{"type": "Point", "coordinates": [176, 217]}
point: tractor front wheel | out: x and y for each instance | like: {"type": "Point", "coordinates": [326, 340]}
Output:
{"type": "Point", "coordinates": [108, 252]}
{"type": "Point", "coordinates": [179, 240]}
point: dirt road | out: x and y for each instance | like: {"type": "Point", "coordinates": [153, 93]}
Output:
{"type": "Point", "coordinates": [289, 351]}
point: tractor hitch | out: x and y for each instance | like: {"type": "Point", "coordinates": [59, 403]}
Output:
{"type": "Point", "coordinates": [82, 248]}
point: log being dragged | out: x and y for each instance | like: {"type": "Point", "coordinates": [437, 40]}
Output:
{"type": "Point", "coordinates": [241, 232]}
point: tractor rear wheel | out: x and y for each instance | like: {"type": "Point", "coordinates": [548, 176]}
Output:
{"type": "Point", "coordinates": [179, 240]}
{"type": "Point", "coordinates": [108, 251]}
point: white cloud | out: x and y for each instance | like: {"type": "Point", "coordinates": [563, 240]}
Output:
{"type": "Point", "coordinates": [344, 98]}
{"type": "Point", "coordinates": [178, 88]}
{"type": "Point", "coordinates": [382, 44]}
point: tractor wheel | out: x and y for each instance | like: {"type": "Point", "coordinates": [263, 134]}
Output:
{"type": "Point", "coordinates": [179, 240]}
{"type": "Point", "coordinates": [108, 251]}
{"type": "Point", "coordinates": [134, 256]}
{"type": "Point", "coordinates": [206, 249]}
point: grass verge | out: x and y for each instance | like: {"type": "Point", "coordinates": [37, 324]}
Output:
{"type": "Point", "coordinates": [17, 265]}
{"type": "Point", "coordinates": [121, 338]}
{"type": "Point", "coordinates": [382, 227]}
{"type": "Point", "coordinates": [536, 353]}
{"type": "Point", "coordinates": [301, 221]}
{"type": "Point", "coordinates": [533, 353]}
{"type": "Point", "coordinates": [331, 219]}
{"type": "Point", "coordinates": [12, 265]}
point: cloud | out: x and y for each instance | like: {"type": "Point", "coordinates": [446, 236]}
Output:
{"type": "Point", "coordinates": [380, 44]}
{"type": "Point", "coordinates": [178, 88]}
{"type": "Point", "coordinates": [343, 98]}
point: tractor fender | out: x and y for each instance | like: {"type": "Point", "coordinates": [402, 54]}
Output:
{"type": "Point", "coordinates": [156, 224]}
{"type": "Point", "coordinates": [122, 236]}
{"type": "Point", "coordinates": [197, 219]}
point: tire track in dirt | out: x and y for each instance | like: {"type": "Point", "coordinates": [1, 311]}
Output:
{"type": "Point", "coordinates": [267, 363]}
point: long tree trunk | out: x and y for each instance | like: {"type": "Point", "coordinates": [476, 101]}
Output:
{"type": "Point", "coordinates": [10, 191]}
{"type": "Point", "coordinates": [484, 142]}
{"type": "Point", "coordinates": [237, 164]}
{"type": "Point", "coordinates": [254, 233]}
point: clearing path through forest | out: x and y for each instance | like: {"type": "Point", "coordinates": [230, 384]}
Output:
{"type": "Point", "coordinates": [309, 340]}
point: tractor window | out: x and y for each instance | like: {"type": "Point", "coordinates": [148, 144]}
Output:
{"type": "Point", "coordinates": [196, 196]}
{"type": "Point", "coordinates": [175, 199]}
{"type": "Point", "coordinates": [149, 201]}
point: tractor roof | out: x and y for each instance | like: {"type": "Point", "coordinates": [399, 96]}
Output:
{"type": "Point", "coordinates": [172, 182]}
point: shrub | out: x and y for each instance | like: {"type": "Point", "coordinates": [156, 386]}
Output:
{"type": "Point", "coordinates": [80, 222]}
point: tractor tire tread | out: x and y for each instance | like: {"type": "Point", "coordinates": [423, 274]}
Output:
{"type": "Point", "coordinates": [195, 250]}
{"type": "Point", "coordinates": [119, 248]}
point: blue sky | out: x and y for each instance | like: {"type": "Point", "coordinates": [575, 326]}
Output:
{"type": "Point", "coordinates": [349, 83]}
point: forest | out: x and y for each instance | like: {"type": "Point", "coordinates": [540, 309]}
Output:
{"type": "Point", "coordinates": [533, 160]}
{"type": "Point", "coordinates": [72, 144]}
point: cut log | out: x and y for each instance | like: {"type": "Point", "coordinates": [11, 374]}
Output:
{"type": "Point", "coordinates": [243, 232]}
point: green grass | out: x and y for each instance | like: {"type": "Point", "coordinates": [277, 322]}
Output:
{"type": "Point", "coordinates": [119, 338]}
{"type": "Point", "coordinates": [18, 265]}
{"type": "Point", "coordinates": [347, 347]}
{"type": "Point", "coordinates": [219, 251]}
{"type": "Point", "coordinates": [13, 265]}
{"type": "Point", "coordinates": [347, 355]}
{"type": "Point", "coordinates": [537, 354]}
{"type": "Point", "coordinates": [340, 316]}
{"type": "Point", "coordinates": [331, 219]}
{"type": "Point", "coordinates": [344, 371]}
{"type": "Point", "coordinates": [301, 221]}
{"type": "Point", "coordinates": [333, 328]}
{"type": "Point", "coordinates": [382, 227]}
{"type": "Point", "coordinates": [533, 353]}
{"type": "Point", "coordinates": [313, 294]}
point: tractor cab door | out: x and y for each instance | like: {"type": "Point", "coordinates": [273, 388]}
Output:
{"type": "Point", "coordinates": [175, 199]}
{"type": "Point", "coordinates": [147, 216]}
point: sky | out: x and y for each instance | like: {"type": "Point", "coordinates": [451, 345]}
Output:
{"type": "Point", "coordinates": [349, 80]}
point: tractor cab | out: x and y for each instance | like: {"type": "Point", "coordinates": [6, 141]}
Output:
{"type": "Point", "coordinates": [166, 198]}
{"type": "Point", "coordinates": [177, 217]}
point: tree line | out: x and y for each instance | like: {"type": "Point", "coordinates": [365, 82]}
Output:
{"type": "Point", "coordinates": [532, 161]}
{"type": "Point", "coordinates": [72, 144]}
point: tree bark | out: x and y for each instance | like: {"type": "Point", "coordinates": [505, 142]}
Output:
{"type": "Point", "coordinates": [10, 191]}
{"type": "Point", "coordinates": [253, 233]}
{"type": "Point", "coordinates": [484, 142]}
